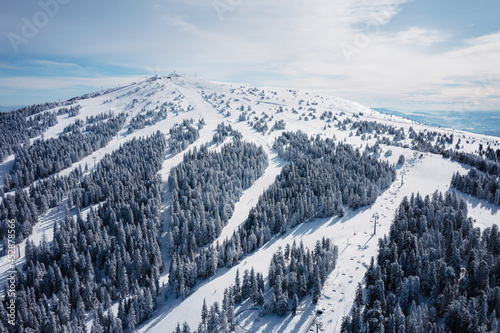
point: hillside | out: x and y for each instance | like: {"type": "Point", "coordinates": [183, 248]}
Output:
{"type": "Point", "coordinates": [153, 181]}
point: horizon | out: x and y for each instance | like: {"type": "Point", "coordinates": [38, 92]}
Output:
{"type": "Point", "coordinates": [15, 107]}
{"type": "Point", "coordinates": [389, 53]}
{"type": "Point", "coordinates": [376, 108]}
{"type": "Point", "coordinates": [144, 181]}
{"type": "Point", "coordinates": [480, 124]}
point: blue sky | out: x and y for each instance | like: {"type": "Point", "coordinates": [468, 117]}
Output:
{"type": "Point", "coordinates": [414, 55]}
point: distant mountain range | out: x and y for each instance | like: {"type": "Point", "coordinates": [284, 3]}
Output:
{"type": "Point", "coordinates": [481, 122]}
{"type": "Point", "coordinates": [9, 108]}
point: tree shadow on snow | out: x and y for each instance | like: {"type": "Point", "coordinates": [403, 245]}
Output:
{"type": "Point", "coordinates": [312, 225]}
{"type": "Point", "coordinates": [305, 228]}
{"type": "Point", "coordinates": [165, 307]}
{"type": "Point", "coordinates": [475, 202]}
{"type": "Point", "coordinates": [249, 318]}
{"type": "Point", "coordinates": [278, 162]}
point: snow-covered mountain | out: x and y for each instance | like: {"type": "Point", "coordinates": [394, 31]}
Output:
{"type": "Point", "coordinates": [188, 112]}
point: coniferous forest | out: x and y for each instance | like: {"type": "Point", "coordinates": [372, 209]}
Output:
{"type": "Point", "coordinates": [183, 134]}
{"type": "Point", "coordinates": [294, 273]}
{"type": "Point", "coordinates": [248, 218]}
{"type": "Point", "coordinates": [204, 189]}
{"type": "Point", "coordinates": [435, 272]}
{"type": "Point", "coordinates": [26, 206]}
{"type": "Point", "coordinates": [40, 161]}
{"type": "Point", "coordinates": [478, 184]}
{"type": "Point", "coordinates": [46, 157]}
{"type": "Point", "coordinates": [113, 254]}
{"type": "Point", "coordinates": [323, 177]}
{"type": "Point", "coordinates": [21, 125]}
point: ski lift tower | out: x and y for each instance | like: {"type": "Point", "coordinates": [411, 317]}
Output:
{"type": "Point", "coordinates": [375, 218]}
{"type": "Point", "coordinates": [319, 326]}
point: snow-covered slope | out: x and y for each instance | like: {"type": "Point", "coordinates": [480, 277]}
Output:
{"type": "Point", "coordinates": [192, 98]}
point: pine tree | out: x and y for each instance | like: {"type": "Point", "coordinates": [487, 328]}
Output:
{"type": "Point", "coordinates": [237, 289]}
{"type": "Point", "coordinates": [204, 314]}
{"type": "Point", "coordinates": [131, 318]}
{"type": "Point", "coordinates": [295, 302]}
{"type": "Point", "coordinates": [345, 326]}
{"type": "Point", "coordinates": [358, 300]}
{"type": "Point", "coordinates": [185, 328]}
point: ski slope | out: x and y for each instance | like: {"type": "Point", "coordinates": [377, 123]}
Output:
{"type": "Point", "coordinates": [353, 234]}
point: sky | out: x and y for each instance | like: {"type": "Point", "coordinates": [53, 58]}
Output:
{"type": "Point", "coordinates": [406, 55]}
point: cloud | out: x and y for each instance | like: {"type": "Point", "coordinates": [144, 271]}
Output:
{"type": "Point", "coordinates": [282, 43]}
{"type": "Point", "coordinates": [51, 83]}
{"type": "Point", "coordinates": [388, 72]}
{"type": "Point", "coordinates": [56, 64]}
{"type": "Point", "coordinates": [421, 36]}
{"type": "Point", "coordinates": [182, 24]}
{"type": "Point", "coordinates": [7, 66]}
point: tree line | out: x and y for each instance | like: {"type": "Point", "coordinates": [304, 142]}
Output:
{"type": "Point", "coordinates": [46, 157]}
{"type": "Point", "coordinates": [293, 274]}
{"type": "Point", "coordinates": [111, 254]}
{"type": "Point", "coordinates": [184, 134]}
{"type": "Point", "coordinates": [486, 160]}
{"type": "Point", "coordinates": [147, 118]}
{"type": "Point", "coordinates": [223, 131]}
{"type": "Point", "coordinates": [321, 178]}
{"type": "Point", "coordinates": [204, 189]}
{"type": "Point", "coordinates": [17, 127]}
{"type": "Point", "coordinates": [434, 273]}
{"type": "Point", "coordinates": [481, 162]}
{"type": "Point", "coordinates": [72, 111]}
{"type": "Point", "coordinates": [478, 184]}
{"type": "Point", "coordinates": [25, 206]}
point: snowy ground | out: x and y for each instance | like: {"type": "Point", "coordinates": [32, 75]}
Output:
{"type": "Point", "coordinates": [353, 233]}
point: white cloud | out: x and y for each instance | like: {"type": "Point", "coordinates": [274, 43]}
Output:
{"type": "Point", "coordinates": [182, 24]}
{"type": "Point", "coordinates": [50, 83]}
{"type": "Point", "coordinates": [49, 63]}
{"type": "Point", "coordinates": [388, 71]}
{"type": "Point", "coordinates": [421, 36]}
{"type": "Point", "coordinates": [7, 66]}
{"type": "Point", "coordinates": [283, 42]}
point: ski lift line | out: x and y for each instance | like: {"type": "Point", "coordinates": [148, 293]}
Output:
{"type": "Point", "coordinates": [310, 323]}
